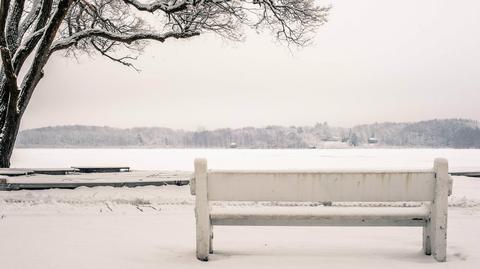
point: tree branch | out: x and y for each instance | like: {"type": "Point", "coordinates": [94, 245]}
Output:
{"type": "Point", "coordinates": [12, 24]}
{"type": "Point", "coordinates": [121, 60]}
{"type": "Point", "coordinates": [35, 73]}
{"type": "Point", "coordinates": [25, 49]}
{"type": "Point", "coordinates": [29, 19]}
{"type": "Point", "coordinates": [165, 6]}
{"type": "Point", "coordinates": [124, 38]}
{"type": "Point", "coordinates": [11, 78]}
{"type": "Point", "coordinates": [29, 44]}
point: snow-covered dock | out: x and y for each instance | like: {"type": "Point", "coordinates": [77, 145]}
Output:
{"type": "Point", "coordinates": [14, 172]}
{"type": "Point", "coordinates": [466, 174]}
{"type": "Point", "coordinates": [101, 169]}
{"type": "Point", "coordinates": [29, 171]}
{"type": "Point", "coordinates": [75, 180]}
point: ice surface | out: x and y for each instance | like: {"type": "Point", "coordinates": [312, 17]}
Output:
{"type": "Point", "coordinates": [182, 159]}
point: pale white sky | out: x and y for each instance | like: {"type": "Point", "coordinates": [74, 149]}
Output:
{"type": "Point", "coordinates": [373, 61]}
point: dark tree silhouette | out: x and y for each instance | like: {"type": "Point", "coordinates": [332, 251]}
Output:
{"type": "Point", "coordinates": [39, 28]}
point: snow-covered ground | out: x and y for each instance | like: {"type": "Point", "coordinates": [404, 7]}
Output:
{"type": "Point", "coordinates": [154, 227]}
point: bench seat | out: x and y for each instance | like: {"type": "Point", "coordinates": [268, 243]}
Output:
{"type": "Point", "coordinates": [320, 216]}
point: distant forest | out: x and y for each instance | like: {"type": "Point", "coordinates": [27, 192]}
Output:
{"type": "Point", "coordinates": [454, 133]}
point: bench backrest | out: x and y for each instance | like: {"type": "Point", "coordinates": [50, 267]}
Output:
{"type": "Point", "coordinates": [321, 186]}
{"type": "Point", "coordinates": [311, 186]}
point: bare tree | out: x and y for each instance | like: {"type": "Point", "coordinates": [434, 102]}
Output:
{"type": "Point", "coordinates": [116, 29]}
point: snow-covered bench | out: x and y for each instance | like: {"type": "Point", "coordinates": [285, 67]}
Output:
{"type": "Point", "coordinates": [429, 186]}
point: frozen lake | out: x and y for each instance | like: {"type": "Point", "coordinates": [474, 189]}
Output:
{"type": "Point", "coordinates": [182, 159]}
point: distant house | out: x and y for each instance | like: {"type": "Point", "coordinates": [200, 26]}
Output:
{"type": "Point", "coordinates": [336, 138]}
{"type": "Point", "coordinates": [332, 139]}
{"type": "Point", "coordinates": [372, 140]}
{"type": "Point", "coordinates": [233, 145]}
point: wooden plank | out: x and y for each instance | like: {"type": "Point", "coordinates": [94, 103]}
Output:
{"type": "Point", "coordinates": [353, 186]}
{"type": "Point", "coordinates": [323, 171]}
{"type": "Point", "coordinates": [13, 172]}
{"type": "Point", "coordinates": [53, 171]}
{"type": "Point", "coordinates": [466, 174]}
{"type": "Point", "coordinates": [331, 216]}
{"type": "Point", "coordinates": [29, 171]}
{"type": "Point", "coordinates": [101, 169]}
{"type": "Point", "coordinates": [47, 171]}
{"type": "Point", "coordinates": [347, 221]}
{"type": "Point", "coordinates": [66, 185]}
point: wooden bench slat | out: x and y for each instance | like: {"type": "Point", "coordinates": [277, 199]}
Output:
{"type": "Point", "coordinates": [320, 186]}
{"type": "Point", "coordinates": [321, 216]}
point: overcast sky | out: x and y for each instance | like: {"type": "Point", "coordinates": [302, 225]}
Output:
{"type": "Point", "coordinates": [374, 61]}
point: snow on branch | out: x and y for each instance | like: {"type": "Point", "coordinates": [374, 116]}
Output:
{"type": "Point", "coordinates": [166, 6]}
{"type": "Point", "coordinates": [29, 19]}
{"type": "Point", "coordinates": [113, 25]}
{"type": "Point", "coordinates": [292, 21]}
{"type": "Point", "coordinates": [25, 48]}
{"type": "Point", "coordinates": [42, 53]}
{"type": "Point", "coordinates": [124, 38]}
{"type": "Point", "coordinates": [13, 20]}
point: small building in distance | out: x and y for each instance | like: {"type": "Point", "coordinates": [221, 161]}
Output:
{"type": "Point", "coordinates": [372, 140]}
{"type": "Point", "coordinates": [233, 145]}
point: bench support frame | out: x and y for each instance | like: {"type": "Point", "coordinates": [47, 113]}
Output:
{"type": "Point", "coordinates": [434, 226]}
{"type": "Point", "coordinates": [437, 227]}
{"type": "Point", "coordinates": [202, 211]}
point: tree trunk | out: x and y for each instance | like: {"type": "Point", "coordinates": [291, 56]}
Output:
{"type": "Point", "coordinates": [7, 143]}
{"type": "Point", "coordinates": [8, 135]}
{"type": "Point", "coordinates": [6, 152]}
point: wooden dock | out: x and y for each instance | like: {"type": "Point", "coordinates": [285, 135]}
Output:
{"type": "Point", "coordinates": [75, 180]}
{"type": "Point", "coordinates": [62, 171]}
{"type": "Point", "coordinates": [101, 169]}
{"type": "Point", "coordinates": [12, 172]}
{"type": "Point", "coordinates": [54, 171]}
{"type": "Point", "coordinates": [466, 174]}
{"type": "Point", "coordinates": [67, 185]}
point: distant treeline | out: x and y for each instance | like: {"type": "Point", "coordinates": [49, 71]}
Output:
{"type": "Point", "coordinates": [455, 133]}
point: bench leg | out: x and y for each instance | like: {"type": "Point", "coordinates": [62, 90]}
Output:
{"type": "Point", "coordinates": [427, 241]}
{"type": "Point", "coordinates": [439, 211]}
{"type": "Point", "coordinates": [203, 239]}
{"type": "Point", "coordinates": [203, 243]}
{"type": "Point", "coordinates": [202, 210]}
{"type": "Point", "coordinates": [211, 239]}
{"type": "Point", "coordinates": [439, 236]}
